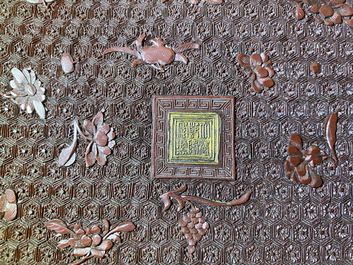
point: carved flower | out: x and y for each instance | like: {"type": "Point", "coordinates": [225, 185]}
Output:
{"type": "Point", "coordinates": [101, 140]}
{"type": "Point", "coordinates": [261, 71]}
{"type": "Point", "coordinates": [102, 136]}
{"type": "Point", "coordinates": [328, 12]}
{"type": "Point", "coordinates": [90, 242]}
{"type": "Point", "coordinates": [27, 91]}
{"type": "Point", "coordinates": [299, 162]}
{"type": "Point", "coordinates": [8, 205]}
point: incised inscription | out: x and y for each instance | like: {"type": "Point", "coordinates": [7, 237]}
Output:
{"type": "Point", "coordinates": [193, 138]}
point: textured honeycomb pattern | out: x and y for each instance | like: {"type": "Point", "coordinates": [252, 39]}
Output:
{"type": "Point", "coordinates": [284, 223]}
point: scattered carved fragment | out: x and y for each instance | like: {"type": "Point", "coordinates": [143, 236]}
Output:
{"type": "Point", "coordinates": [27, 91]}
{"type": "Point", "coordinates": [101, 141]}
{"type": "Point", "coordinates": [260, 69]}
{"type": "Point", "coordinates": [299, 165]}
{"type": "Point", "coordinates": [91, 242]}
{"type": "Point", "coordinates": [315, 68]}
{"type": "Point", "coordinates": [8, 205]}
{"type": "Point", "coordinates": [329, 12]}
{"type": "Point", "coordinates": [193, 226]}
{"type": "Point", "coordinates": [67, 63]}
{"type": "Point", "coordinates": [157, 55]}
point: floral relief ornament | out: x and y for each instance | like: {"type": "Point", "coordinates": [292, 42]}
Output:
{"type": "Point", "coordinates": [101, 141]}
{"type": "Point", "coordinates": [27, 91]}
{"type": "Point", "coordinates": [156, 55]}
{"type": "Point", "coordinates": [90, 242]}
{"type": "Point", "coordinates": [300, 163]}
{"type": "Point", "coordinates": [260, 70]}
{"type": "Point", "coordinates": [193, 225]}
{"type": "Point", "coordinates": [330, 12]}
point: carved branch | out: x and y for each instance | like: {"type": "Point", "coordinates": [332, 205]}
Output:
{"type": "Point", "coordinates": [183, 199]}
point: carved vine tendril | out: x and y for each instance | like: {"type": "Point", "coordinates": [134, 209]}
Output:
{"type": "Point", "coordinates": [193, 225]}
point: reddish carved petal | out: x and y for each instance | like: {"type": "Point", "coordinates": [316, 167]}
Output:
{"type": "Point", "coordinates": [101, 159]}
{"type": "Point", "coordinates": [91, 154]}
{"type": "Point", "coordinates": [101, 138]}
{"type": "Point", "coordinates": [98, 119]}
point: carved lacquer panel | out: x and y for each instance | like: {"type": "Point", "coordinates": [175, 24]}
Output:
{"type": "Point", "coordinates": [181, 132]}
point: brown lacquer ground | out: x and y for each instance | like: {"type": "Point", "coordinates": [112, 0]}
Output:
{"type": "Point", "coordinates": [84, 137]}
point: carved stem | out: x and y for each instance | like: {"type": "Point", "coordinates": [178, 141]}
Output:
{"type": "Point", "coordinates": [243, 199]}
{"type": "Point", "coordinates": [77, 128]}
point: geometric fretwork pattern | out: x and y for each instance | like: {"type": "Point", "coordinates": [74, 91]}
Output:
{"type": "Point", "coordinates": [283, 223]}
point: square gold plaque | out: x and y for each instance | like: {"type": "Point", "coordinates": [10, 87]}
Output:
{"type": "Point", "coordinates": [193, 137]}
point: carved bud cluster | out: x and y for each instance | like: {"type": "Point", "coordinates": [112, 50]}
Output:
{"type": "Point", "coordinates": [194, 227]}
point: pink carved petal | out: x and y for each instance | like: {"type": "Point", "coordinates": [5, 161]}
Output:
{"type": "Point", "coordinates": [101, 159]}
{"type": "Point", "coordinates": [10, 211]}
{"type": "Point", "coordinates": [98, 119]}
{"type": "Point", "coordinates": [91, 154]}
{"type": "Point", "coordinates": [101, 138]}
{"type": "Point", "coordinates": [10, 196]}
{"type": "Point", "coordinates": [89, 127]}
{"type": "Point", "coordinates": [105, 245]}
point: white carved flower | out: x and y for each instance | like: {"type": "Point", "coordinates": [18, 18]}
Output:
{"type": "Point", "coordinates": [27, 91]}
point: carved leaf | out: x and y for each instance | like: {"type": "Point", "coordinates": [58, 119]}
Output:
{"type": "Point", "coordinates": [299, 12]}
{"type": "Point", "coordinates": [67, 155]}
{"type": "Point", "coordinates": [331, 127]}
{"type": "Point", "coordinates": [166, 201]}
{"type": "Point", "coordinates": [58, 226]}
{"type": "Point", "coordinates": [124, 227]}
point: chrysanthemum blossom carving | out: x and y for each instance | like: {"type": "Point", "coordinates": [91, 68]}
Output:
{"type": "Point", "coordinates": [27, 91]}
{"type": "Point", "coordinates": [260, 69]}
{"type": "Point", "coordinates": [300, 163]}
{"type": "Point", "coordinates": [101, 141]}
{"type": "Point", "coordinates": [88, 243]}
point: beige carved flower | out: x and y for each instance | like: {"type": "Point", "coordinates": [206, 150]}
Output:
{"type": "Point", "coordinates": [102, 140]}
{"type": "Point", "coordinates": [27, 91]}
